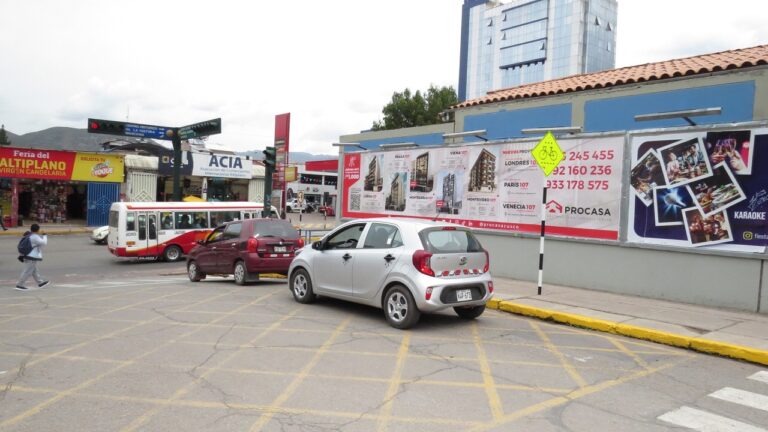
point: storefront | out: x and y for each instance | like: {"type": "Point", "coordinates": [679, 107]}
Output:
{"type": "Point", "coordinates": [210, 177]}
{"type": "Point", "coordinates": [50, 186]}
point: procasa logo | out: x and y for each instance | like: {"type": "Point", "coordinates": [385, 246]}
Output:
{"type": "Point", "coordinates": [588, 211]}
{"type": "Point", "coordinates": [554, 207]}
{"type": "Point", "coordinates": [353, 161]}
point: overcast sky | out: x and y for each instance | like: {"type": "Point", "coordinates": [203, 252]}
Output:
{"type": "Point", "coordinates": [332, 64]}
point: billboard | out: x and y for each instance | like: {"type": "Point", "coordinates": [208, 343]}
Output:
{"type": "Point", "coordinates": [493, 186]}
{"type": "Point", "coordinates": [282, 146]}
{"type": "Point", "coordinates": [701, 189]}
{"type": "Point", "coordinates": [208, 165]}
{"type": "Point", "coordinates": [60, 165]}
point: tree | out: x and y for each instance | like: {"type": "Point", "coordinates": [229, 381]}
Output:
{"type": "Point", "coordinates": [409, 110]}
{"type": "Point", "coordinates": [4, 141]}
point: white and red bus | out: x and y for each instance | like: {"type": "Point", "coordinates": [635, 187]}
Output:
{"type": "Point", "coordinates": [169, 230]}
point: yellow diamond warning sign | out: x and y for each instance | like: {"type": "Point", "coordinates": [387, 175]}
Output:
{"type": "Point", "coordinates": [548, 154]}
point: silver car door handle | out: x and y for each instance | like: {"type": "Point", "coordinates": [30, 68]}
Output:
{"type": "Point", "coordinates": [388, 258]}
{"type": "Point", "coordinates": [346, 256]}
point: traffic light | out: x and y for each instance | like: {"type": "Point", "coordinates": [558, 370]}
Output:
{"type": "Point", "coordinates": [206, 128]}
{"type": "Point", "coordinates": [270, 155]}
{"type": "Point", "coordinates": [106, 127]}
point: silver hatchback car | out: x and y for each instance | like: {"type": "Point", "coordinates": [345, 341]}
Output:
{"type": "Point", "coordinates": [404, 266]}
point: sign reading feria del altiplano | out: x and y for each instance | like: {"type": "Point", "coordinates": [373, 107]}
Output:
{"type": "Point", "coordinates": [548, 154]}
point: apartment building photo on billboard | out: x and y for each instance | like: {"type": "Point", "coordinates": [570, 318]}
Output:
{"type": "Point", "coordinates": [482, 176]}
{"type": "Point", "coordinates": [373, 180]}
{"type": "Point", "coordinates": [396, 198]}
{"type": "Point", "coordinates": [451, 200]}
{"type": "Point", "coordinates": [421, 181]}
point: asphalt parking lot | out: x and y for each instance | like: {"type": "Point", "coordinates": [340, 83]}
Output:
{"type": "Point", "coordinates": [165, 354]}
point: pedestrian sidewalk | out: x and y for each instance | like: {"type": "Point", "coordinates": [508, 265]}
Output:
{"type": "Point", "coordinates": [49, 228]}
{"type": "Point", "coordinates": [735, 334]}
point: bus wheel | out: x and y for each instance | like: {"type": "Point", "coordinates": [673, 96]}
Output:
{"type": "Point", "coordinates": [172, 253]}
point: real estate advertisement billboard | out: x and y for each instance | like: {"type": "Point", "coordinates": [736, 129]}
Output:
{"type": "Point", "coordinates": [493, 186]}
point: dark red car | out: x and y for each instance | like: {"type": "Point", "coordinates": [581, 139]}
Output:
{"type": "Point", "coordinates": [326, 210]}
{"type": "Point", "coordinates": [245, 249]}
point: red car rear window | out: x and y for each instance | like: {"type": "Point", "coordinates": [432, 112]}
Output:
{"type": "Point", "coordinates": [275, 228]}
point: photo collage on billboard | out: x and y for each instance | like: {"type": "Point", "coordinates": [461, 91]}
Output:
{"type": "Point", "coordinates": [699, 189]}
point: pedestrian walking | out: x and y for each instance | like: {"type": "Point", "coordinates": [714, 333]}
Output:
{"type": "Point", "coordinates": [31, 255]}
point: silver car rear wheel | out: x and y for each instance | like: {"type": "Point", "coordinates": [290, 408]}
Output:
{"type": "Point", "coordinates": [400, 308]}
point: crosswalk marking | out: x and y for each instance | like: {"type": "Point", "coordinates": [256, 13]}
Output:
{"type": "Point", "coordinates": [761, 376]}
{"type": "Point", "coordinates": [703, 421]}
{"type": "Point", "coordinates": [742, 397]}
{"type": "Point", "coordinates": [70, 285]}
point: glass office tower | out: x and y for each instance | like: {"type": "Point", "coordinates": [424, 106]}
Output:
{"type": "Point", "coordinates": [507, 44]}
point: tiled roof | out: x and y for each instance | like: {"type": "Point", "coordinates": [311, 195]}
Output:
{"type": "Point", "coordinates": [703, 64]}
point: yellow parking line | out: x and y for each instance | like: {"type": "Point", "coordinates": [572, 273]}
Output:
{"type": "Point", "coordinates": [291, 388]}
{"type": "Point", "coordinates": [139, 421]}
{"type": "Point", "coordinates": [395, 381]}
{"type": "Point", "coordinates": [627, 351]}
{"type": "Point", "coordinates": [494, 401]}
{"type": "Point", "coordinates": [554, 350]}
{"type": "Point", "coordinates": [256, 408]}
{"type": "Point", "coordinates": [73, 390]}
{"type": "Point", "coordinates": [575, 395]}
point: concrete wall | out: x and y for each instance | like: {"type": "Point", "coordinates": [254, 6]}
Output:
{"type": "Point", "coordinates": [708, 280]}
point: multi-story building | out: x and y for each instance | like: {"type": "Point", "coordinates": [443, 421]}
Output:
{"type": "Point", "coordinates": [450, 203]}
{"type": "Point", "coordinates": [482, 176]}
{"type": "Point", "coordinates": [373, 180]}
{"type": "Point", "coordinates": [396, 199]}
{"type": "Point", "coordinates": [420, 178]}
{"type": "Point", "coordinates": [524, 41]}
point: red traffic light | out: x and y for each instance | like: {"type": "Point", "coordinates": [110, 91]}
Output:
{"type": "Point", "coordinates": [93, 125]}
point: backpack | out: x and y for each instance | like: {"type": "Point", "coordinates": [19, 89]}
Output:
{"type": "Point", "coordinates": [25, 245]}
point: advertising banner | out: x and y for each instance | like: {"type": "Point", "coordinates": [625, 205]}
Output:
{"type": "Point", "coordinates": [60, 165]}
{"type": "Point", "coordinates": [700, 190]}
{"type": "Point", "coordinates": [220, 165]}
{"type": "Point", "coordinates": [493, 186]}
{"type": "Point", "coordinates": [208, 165]}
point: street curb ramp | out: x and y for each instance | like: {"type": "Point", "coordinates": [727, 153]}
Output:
{"type": "Point", "coordinates": [724, 349]}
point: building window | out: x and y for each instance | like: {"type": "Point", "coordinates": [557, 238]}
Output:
{"type": "Point", "coordinates": [490, 41]}
{"type": "Point", "coordinates": [597, 21]}
{"type": "Point", "coordinates": [609, 27]}
{"type": "Point", "coordinates": [490, 22]}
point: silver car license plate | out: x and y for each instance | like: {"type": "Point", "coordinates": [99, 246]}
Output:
{"type": "Point", "coordinates": [280, 249]}
{"type": "Point", "coordinates": [463, 295]}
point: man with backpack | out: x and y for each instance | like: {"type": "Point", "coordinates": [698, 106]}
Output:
{"type": "Point", "coordinates": [30, 251]}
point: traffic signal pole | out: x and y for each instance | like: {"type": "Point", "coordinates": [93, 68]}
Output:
{"type": "Point", "coordinates": [269, 169]}
{"type": "Point", "coordinates": [176, 165]}
{"type": "Point", "coordinates": [174, 134]}
{"type": "Point", "coordinates": [267, 210]}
